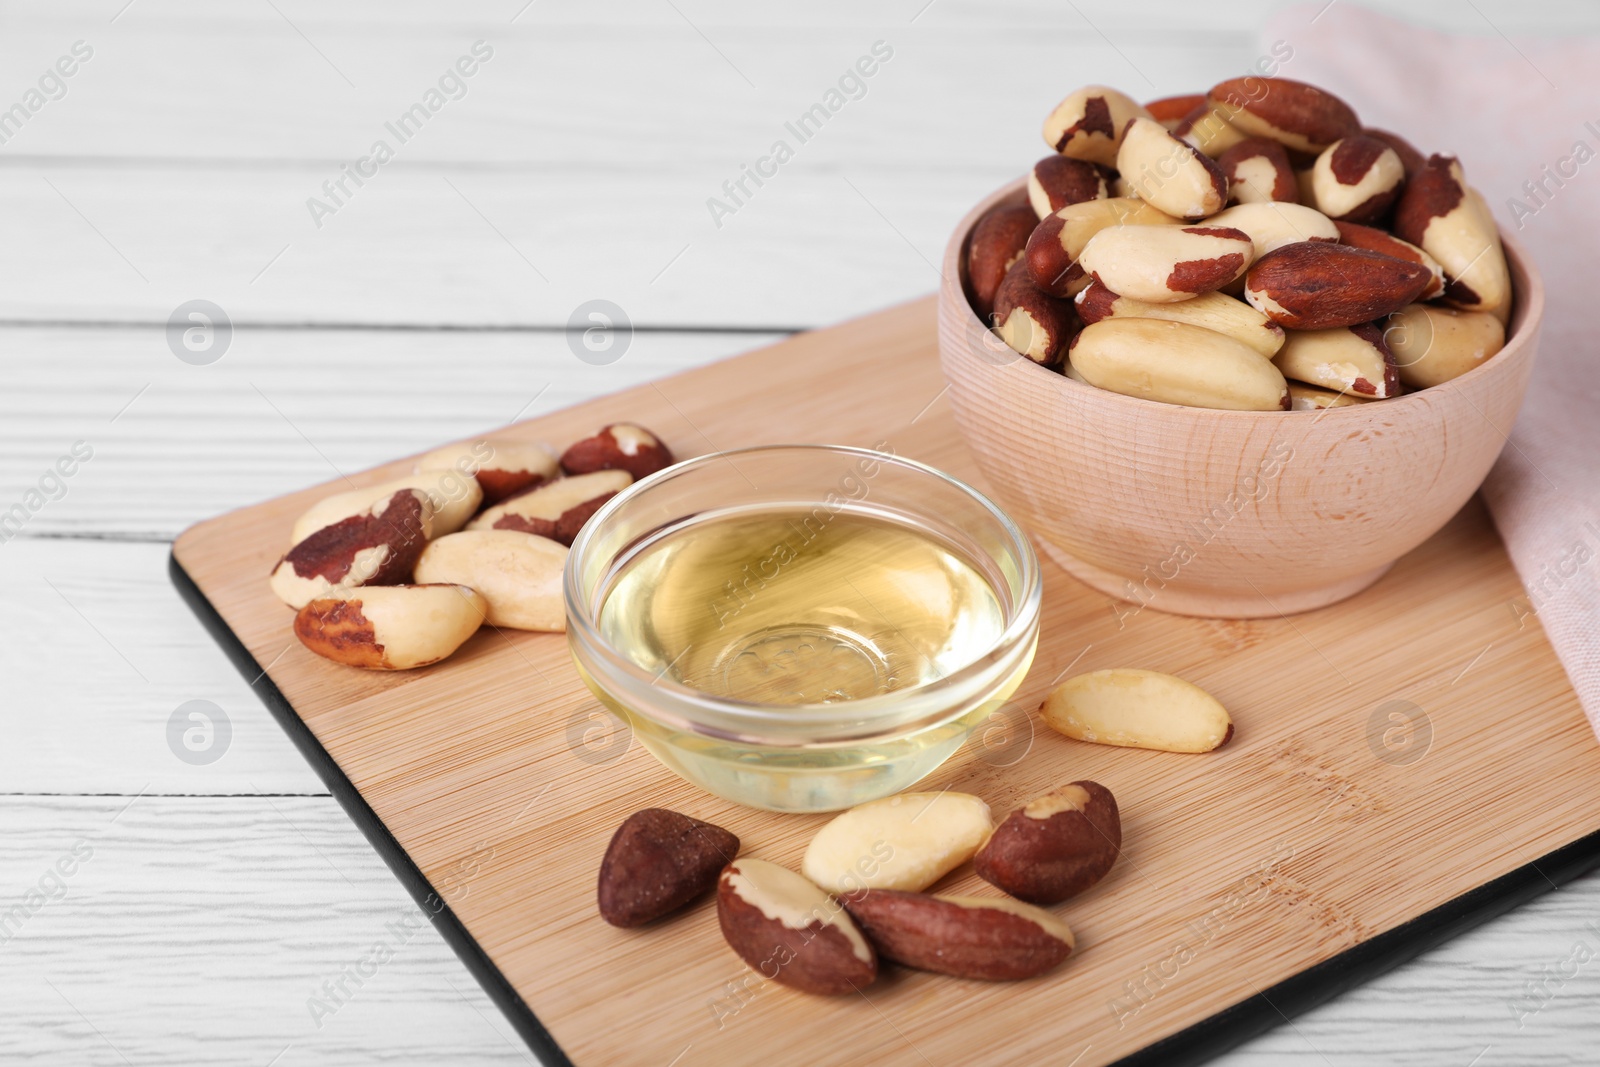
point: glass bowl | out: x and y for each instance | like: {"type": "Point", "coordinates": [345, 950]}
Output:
{"type": "Point", "coordinates": [802, 627]}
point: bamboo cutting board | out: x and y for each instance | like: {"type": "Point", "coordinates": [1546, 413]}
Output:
{"type": "Point", "coordinates": [1405, 763]}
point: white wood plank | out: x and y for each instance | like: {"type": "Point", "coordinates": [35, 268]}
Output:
{"type": "Point", "coordinates": [200, 926]}
{"type": "Point", "coordinates": [174, 443]}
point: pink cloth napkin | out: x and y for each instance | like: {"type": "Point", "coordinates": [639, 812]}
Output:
{"type": "Point", "coordinates": [1523, 116]}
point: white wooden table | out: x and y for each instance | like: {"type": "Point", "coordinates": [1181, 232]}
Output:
{"type": "Point", "coordinates": [211, 907]}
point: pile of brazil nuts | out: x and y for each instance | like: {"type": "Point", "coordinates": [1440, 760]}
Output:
{"type": "Point", "coordinates": [861, 894]}
{"type": "Point", "coordinates": [1253, 248]}
{"type": "Point", "coordinates": [398, 575]}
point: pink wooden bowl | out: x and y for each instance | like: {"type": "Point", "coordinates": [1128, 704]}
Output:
{"type": "Point", "coordinates": [1230, 514]}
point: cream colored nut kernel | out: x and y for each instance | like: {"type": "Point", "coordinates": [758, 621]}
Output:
{"type": "Point", "coordinates": [1206, 129]}
{"type": "Point", "coordinates": [500, 465]}
{"type": "Point", "coordinates": [1170, 175]}
{"type": "Point", "coordinates": [454, 497]}
{"type": "Point", "coordinates": [1346, 359]}
{"type": "Point", "coordinates": [1356, 179]}
{"type": "Point", "coordinates": [1031, 321]}
{"type": "Point", "coordinates": [519, 574]}
{"type": "Point", "coordinates": [1304, 397]}
{"type": "Point", "coordinates": [1074, 373]}
{"type": "Point", "coordinates": [1212, 311]}
{"type": "Point", "coordinates": [1138, 709]}
{"type": "Point", "coordinates": [558, 509]}
{"type": "Point", "coordinates": [904, 842]}
{"type": "Point", "coordinates": [1088, 124]}
{"type": "Point", "coordinates": [391, 627]}
{"type": "Point", "coordinates": [1273, 225]}
{"type": "Point", "coordinates": [1258, 171]}
{"type": "Point", "coordinates": [1163, 264]}
{"type": "Point", "coordinates": [1432, 345]}
{"type": "Point", "coordinates": [1177, 363]}
{"type": "Point", "coordinates": [1442, 215]}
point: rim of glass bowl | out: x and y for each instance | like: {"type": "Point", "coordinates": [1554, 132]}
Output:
{"type": "Point", "coordinates": [886, 715]}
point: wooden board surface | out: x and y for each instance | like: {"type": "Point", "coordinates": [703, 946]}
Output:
{"type": "Point", "coordinates": [1319, 827]}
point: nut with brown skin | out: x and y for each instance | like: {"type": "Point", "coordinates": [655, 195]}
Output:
{"type": "Point", "coordinates": [1031, 321]}
{"type": "Point", "coordinates": [379, 546]}
{"type": "Point", "coordinates": [391, 627]}
{"type": "Point", "coordinates": [1055, 846]}
{"type": "Point", "coordinates": [518, 574]}
{"type": "Point", "coordinates": [995, 939]}
{"type": "Point", "coordinates": [1170, 174]}
{"type": "Point", "coordinates": [1449, 220]}
{"type": "Point", "coordinates": [1054, 246]}
{"type": "Point", "coordinates": [1089, 124]}
{"type": "Point", "coordinates": [1410, 158]}
{"type": "Point", "coordinates": [791, 932]}
{"type": "Point", "coordinates": [453, 498]}
{"type": "Point", "coordinates": [1056, 181]}
{"type": "Point", "coordinates": [1346, 359]}
{"type": "Point", "coordinates": [1207, 129]}
{"type": "Point", "coordinates": [502, 467]}
{"type": "Point", "coordinates": [1171, 110]}
{"type": "Point", "coordinates": [620, 446]}
{"type": "Point", "coordinates": [1315, 285]}
{"type": "Point", "coordinates": [998, 241]}
{"type": "Point", "coordinates": [658, 861]}
{"type": "Point", "coordinates": [1258, 171]}
{"type": "Point", "coordinates": [1296, 115]}
{"type": "Point", "coordinates": [1381, 241]}
{"type": "Point", "coordinates": [1164, 264]}
{"type": "Point", "coordinates": [557, 510]}
{"type": "Point", "coordinates": [1212, 311]}
{"type": "Point", "coordinates": [1357, 179]}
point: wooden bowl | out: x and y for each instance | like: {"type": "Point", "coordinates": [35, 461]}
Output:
{"type": "Point", "coordinates": [1229, 514]}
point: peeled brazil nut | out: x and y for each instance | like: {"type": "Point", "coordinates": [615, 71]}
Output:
{"type": "Point", "coordinates": [1168, 174]}
{"type": "Point", "coordinates": [1273, 225]}
{"type": "Point", "coordinates": [1375, 240]}
{"type": "Point", "coordinates": [1315, 285]}
{"type": "Point", "coordinates": [1304, 397]}
{"type": "Point", "coordinates": [1057, 181]}
{"type": "Point", "coordinates": [1171, 110]}
{"type": "Point", "coordinates": [1440, 214]}
{"type": "Point", "coordinates": [1258, 170]}
{"type": "Point", "coordinates": [997, 242]}
{"type": "Point", "coordinates": [1031, 321]}
{"type": "Point", "coordinates": [1294, 114]}
{"type": "Point", "coordinates": [391, 627]}
{"type": "Point", "coordinates": [992, 938]}
{"type": "Point", "coordinates": [453, 495]}
{"type": "Point", "coordinates": [1055, 846]}
{"type": "Point", "coordinates": [1088, 124]}
{"type": "Point", "coordinates": [556, 510]}
{"type": "Point", "coordinates": [1212, 311]}
{"type": "Point", "coordinates": [501, 467]}
{"type": "Point", "coordinates": [518, 574]}
{"type": "Point", "coordinates": [1138, 709]}
{"type": "Point", "coordinates": [1054, 246]}
{"type": "Point", "coordinates": [1357, 179]}
{"type": "Point", "coordinates": [1163, 264]}
{"type": "Point", "coordinates": [790, 931]}
{"type": "Point", "coordinates": [1433, 344]}
{"type": "Point", "coordinates": [907, 841]}
{"type": "Point", "coordinates": [658, 861]}
{"type": "Point", "coordinates": [379, 546]}
{"type": "Point", "coordinates": [620, 446]}
{"type": "Point", "coordinates": [1347, 359]}
{"type": "Point", "coordinates": [1206, 129]}
{"type": "Point", "coordinates": [1177, 363]}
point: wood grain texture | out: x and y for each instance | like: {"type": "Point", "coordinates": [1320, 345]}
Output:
{"type": "Point", "coordinates": [1235, 514]}
{"type": "Point", "coordinates": [1304, 836]}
